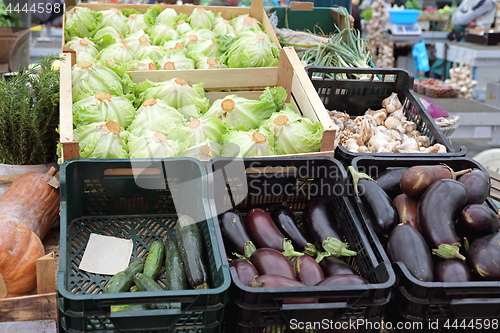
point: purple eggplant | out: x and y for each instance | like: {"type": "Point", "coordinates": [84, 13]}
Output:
{"type": "Point", "coordinates": [407, 210]}
{"type": "Point", "coordinates": [477, 221]}
{"type": "Point", "coordinates": [285, 221]}
{"type": "Point", "coordinates": [437, 210]}
{"type": "Point", "coordinates": [483, 257]}
{"type": "Point", "coordinates": [277, 281]}
{"type": "Point", "coordinates": [452, 270]}
{"type": "Point", "coordinates": [341, 280]}
{"type": "Point", "coordinates": [334, 266]}
{"type": "Point", "coordinates": [382, 212]}
{"type": "Point", "coordinates": [233, 229]}
{"type": "Point", "coordinates": [245, 270]}
{"type": "Point", "coordinates": [270, 261]}
{"type": "Point", "coordinates": [320, 220]}
{"type": "Point", "coordinates": [389, 181]}
{"type": "Point", "coordinates": [308, 271]}
{"type": "Point", "coordinates": [408, 246]}
{"type": "Point", "coordinates": [262, 230]}
{"type": "Point", "coordinates": [478, 186]}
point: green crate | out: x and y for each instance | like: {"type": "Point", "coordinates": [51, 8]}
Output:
{"type": "Point", "coordinates": [107, 198]}
{"type": "Point", "coordinates": [303, 20]}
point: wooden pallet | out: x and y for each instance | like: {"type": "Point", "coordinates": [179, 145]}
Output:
{"type": "Point", "coordinates": [250, 83]}
{"type": "Point", "coordinates": [495, 185]}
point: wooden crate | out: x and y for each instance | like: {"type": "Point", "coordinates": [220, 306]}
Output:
{"type": "Point", "coordinates": [249, 82]}
{"type": "Point", "coordinates": [43, 304]}
{"type": "Point", "coordinates": [256, 11]}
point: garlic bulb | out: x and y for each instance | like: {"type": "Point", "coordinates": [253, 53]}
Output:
{"type": "Point", "coordinates": [391, 103]}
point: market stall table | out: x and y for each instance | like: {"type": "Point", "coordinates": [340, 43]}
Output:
{"type": "Point", "coordinates": [477, 120]}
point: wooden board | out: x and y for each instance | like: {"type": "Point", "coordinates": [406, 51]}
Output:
{"type": "Point", "coordinates": [495, 185]}
{"type": "Point", "coordinates": [290, 74]}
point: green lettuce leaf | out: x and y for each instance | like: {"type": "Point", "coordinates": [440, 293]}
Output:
{"type": "Point", "coordinates": [153, 52]}
{"type": "Point", "coordinates": [145, 64]}
{"type": "Point", "coordinates": [249, 49]}
{"type": "Point", "coordinates": [106, 37]}
{"type": "Point", "coordinates": [183, 27]}
{"type": "Point", "coordinates": [115, 19]}
{"type": "Point", "coordinates": [81, 22]}
{"type": "Point", "coordinates": [206, 48]}
{"type": "Point", "coordinates": [103, 107]}
{"type": "Point", "coordinates": [83, 45]}
{"type": "Point", "coordinates": [136, 42]}
{"type": "Point", "coordinates": [247, 144]}
{"type": "Point", "coordinates": [135, 22]}
{"type": "Point", "coordinates": [89, 79]}
{"type": "Point", "coordinates": [222, 26]}
{"type": "Point", "coordinates": [167, 16]}
{"type": "Point", "coordinates": [129, 11]}
{"type": "Point", "coordinates": [201, 18]}
{"type": "Point", "coordinates": [292, 133]}
{"type": "Point", "coordinates": [176, 60]}
{"type": "Point", "coordinates": [204, 62]}
{"type": "Point", "coordinates": [197, 37]}
{"type": "Point", "coordinates": [158, 116]}
{"type": "Point", "coordinates": [174, 45]}
{"type": "Point", "coordinates": [119, 52]}
{"type": "Point", "coordinates": [203, 151]}
{"type": "Point", "coordinates": [151, 15]}
{"type": "Point", "coordinates": [84, 57]}
{"type": "Point", "coordinates": [150, 144]}
{"type": "Point", "coordinates": [102, 140]}
{"type": "Point", "coordinates": [205, 128]}
{"type": "Point", "coordinates": [162, 33]}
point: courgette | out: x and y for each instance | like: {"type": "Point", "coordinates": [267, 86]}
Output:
{"type": "Point", "coordinates": [175, 274]}
{"type": "Point", "coordinates": [190, 245]}
{"type": "Point", "coordinates": [145, 283]}
{"type": "Point", "coordinates": [154, 260]}
{"type": "Point", "coordinates": [129, 307]}
{"type": "Point", "coordinates": [133, 289]}
{"type": "Point", "coordinates": [119, 283]}
{"type": "Point", "coordinates": [135, 267]}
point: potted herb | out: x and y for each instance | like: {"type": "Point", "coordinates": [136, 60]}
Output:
{"type": "Point", "coordinates": [29, 116]}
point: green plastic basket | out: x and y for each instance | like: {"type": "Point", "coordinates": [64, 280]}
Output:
{"type": "Point", "coordinates": [135, 200]}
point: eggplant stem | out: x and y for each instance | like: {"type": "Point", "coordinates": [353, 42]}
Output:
{"type": "Point", "coordinates": [255, 284]}
{"type": "Point", "coordinates": [336, 248]}
{"type": "Point", "coordinates": [311, 250]}
{"type": "Point", "coordinates": [321, 256]}
{"type": "Point", "coordinates": [249, 248]}
{"type": "Point", "coordinates": [459, 173]}
{"type": "Point", "coordinates": [448, 251]}
{"type": "Point", "coordinates": [356, 177]}
{"type": "Point", "coordinates": [289, 252]}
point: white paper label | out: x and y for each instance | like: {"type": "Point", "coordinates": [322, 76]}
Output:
{"type": "Point", "coordinates": [106, 255]}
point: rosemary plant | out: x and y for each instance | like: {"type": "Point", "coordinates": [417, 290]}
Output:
{"type": "Point", "coordinates": [29, 115]}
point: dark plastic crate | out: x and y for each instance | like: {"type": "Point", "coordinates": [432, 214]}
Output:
{"type": "Point", "coordinates": [422, 301]}
{"type": "Point", "coordinates": [106, 197]}
{"type": "Point", "coordinates": [355, 96]}
{"type": "Point", "coordinates": [262, 309]}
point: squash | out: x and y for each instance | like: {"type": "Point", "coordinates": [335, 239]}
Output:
{"type": "Point", "coordinates": [28, 210]}
{"type": "Point", "coordinates": [19, 250]}
{"type": "Point", "coordinates": [33, 201]}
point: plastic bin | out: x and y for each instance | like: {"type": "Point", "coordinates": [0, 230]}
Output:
{"type": "Point", "coordinates": [432, 301]}
{"type": "Point", "coordinates": [405, 16]}
{"type": "Point", "coordinates": [443, 91]}
{"type": "Point", "coordinates": [355, 96]}
{"type": "Point", "coordinates": [136, 200]}
{"type": "Point", "coordinates": [255, 183]}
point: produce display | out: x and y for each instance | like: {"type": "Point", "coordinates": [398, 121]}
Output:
{"type": "Point", "coordinates": [115, 118]}
{"type": "Point", "coordinates": [438, 223]}
{"type": "Point", "coordinates": [382, 131]}
{"type": "Point", "coordinates": [181, 260]}
{"type": "Point", "coordinates": [166, 40]}
{"type": "Point", "coordinates": [434, 88]}
{"type": "Point", "coordinates": [382, 48]}
{"type": "Point", "coordinates": [28, 210]}
{"type": "Point", "coordinates": [461, 77]}
{"type": "Point", "coordinates": [273, 250]}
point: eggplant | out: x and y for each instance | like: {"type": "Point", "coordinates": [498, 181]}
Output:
{"type": "Point", "coordinates": [308, 271]}
{"type": "Point", "coordinates": [416, 180]}
{"type": "Point", "coordinates": [452, 270]}
{"type": "Point", "coordinates": [389, 181]}
{"type": "Point", "coordinates": [277, 281]}
{"type": "Point", "coordinates": [341, 280]}
{"type": "Point", "coordinates": [477, 221]}
{"type": "Point", "coordinates": [437, 210]}
{"type": "Point", "coordinates": [382, 212]}
{"type": "Point", "coordinates": [478, 186]}
{"type": "Point", "coordinates": [408, 246]}
{"type": "Point", "coordinates": [270, 261]}
{"type": "Point", "coordinates": [286, 223]}
{"type": "Point", "coordinates": [483, 257]}
{"type": "Point", "coordinates": [407, 210]}
{"type": "Point", "coordinates": [233, 229]}
{"type": "Point", "coordinates": [245, 270]}
{"type": "Point", "coordinates": [262, 230]}
{"type": "Point", "coordinates": [334, 266]}
{"type": "Point", "coordinates": [320, 220]}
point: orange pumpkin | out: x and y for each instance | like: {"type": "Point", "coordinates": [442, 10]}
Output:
{"type": "Point", "coordinates": [19, 250]}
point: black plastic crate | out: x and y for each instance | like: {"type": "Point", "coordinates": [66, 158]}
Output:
{"type": "Point", "coordinates": [138, 200]}
{"type": "Point", "coordinates": [256, 183]}
{"type": "Point", "coordinates": [355, 96]}
{"type": "Point", "coordinates": [416, 300]}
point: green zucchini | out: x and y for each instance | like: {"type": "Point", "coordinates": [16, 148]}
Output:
{"type": "Point", "coordinates": [154, 260]}
{"type": "Point", "coordinates": [119, 283]}
{"type": "Point", "coordinates": [136, 267]}
{"type": "Point", "coordinates": [129, 307]}
{"type": "Point", "coordinates": [190, 246]}
{"type": "Point", "coordinates": [175, 275]}
{"type": "Point", "coordinates": [133, 289]}
{"type": "Point", "coordinates": [145, 283]}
